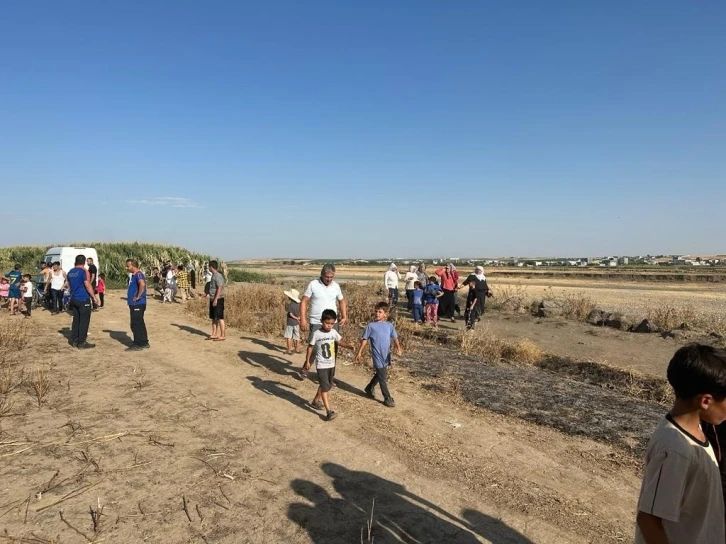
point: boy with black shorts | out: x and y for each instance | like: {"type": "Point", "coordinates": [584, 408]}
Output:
{"type": "Point", "coordinates": [681, 500]}
{"type": "Point", "coordinates": [323, 343]}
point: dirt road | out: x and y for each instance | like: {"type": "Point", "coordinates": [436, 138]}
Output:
{"type": "Point", "coordinates": [200, 441]}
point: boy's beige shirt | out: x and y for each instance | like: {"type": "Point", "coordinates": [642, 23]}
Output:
{"type": "Point", "coordinates": [682, 486]}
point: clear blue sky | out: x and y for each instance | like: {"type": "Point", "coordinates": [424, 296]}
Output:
{"type": "Point", "coordinates": [340, 129]}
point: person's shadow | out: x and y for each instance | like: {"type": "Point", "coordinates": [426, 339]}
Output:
{"type": "Point", "coordinates": [282, 391]}
{"type": "Point", "coordinates": [190, 330]}
{"type": "Point", "coordinates": [121, 337]}
{"type": "Point", "coordinates": [270, 362]}
{"type": "Point", "coordinates": [263, 343]}
{"type": "Point", "coordinates": [398, 515]}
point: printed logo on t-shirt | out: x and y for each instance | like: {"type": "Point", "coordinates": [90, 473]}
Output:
{"type": "Point", "coordinates": [324, 343]}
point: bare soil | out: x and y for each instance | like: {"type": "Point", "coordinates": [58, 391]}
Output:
{"type": "Point", "coordinates": [201, 441]}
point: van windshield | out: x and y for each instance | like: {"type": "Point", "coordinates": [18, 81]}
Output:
{"type": "Point", "coordinates": [51, 258]}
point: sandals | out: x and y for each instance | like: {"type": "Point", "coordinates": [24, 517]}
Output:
{"type": "Point", "coordinates": [317, 405]}
{"type": "Point", "coordinates": [220, 339]}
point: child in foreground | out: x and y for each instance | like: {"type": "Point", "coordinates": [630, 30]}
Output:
{"type": "Point", "coordinates": [323, 343]}
{"type": "Point", "coordinates": [681, 499]}
{"type": "Point", "coordinates": [380, 333]}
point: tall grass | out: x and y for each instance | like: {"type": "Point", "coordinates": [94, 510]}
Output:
{"type": "Point", "coordinates": [247, 276]}
{"type": "Point", "coordinates": [484, 345]}
{"type": "Point", "coordinates": [112, 257]}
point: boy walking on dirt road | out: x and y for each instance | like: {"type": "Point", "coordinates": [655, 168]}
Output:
{"type": "Point", "coordinates": [380, 333]}
{"type": "Point", "coordinates": [681, 499]}
{"type": "Point", "coordinates": [322, 344]}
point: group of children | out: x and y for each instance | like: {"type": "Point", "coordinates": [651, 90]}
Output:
{"type": "Point", "coordinates": [17, 292]}
{"type": "Point", "coordinates": [323, 343]}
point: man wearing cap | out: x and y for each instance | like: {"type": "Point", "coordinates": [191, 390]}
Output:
{"type": "Point", "coordinates": [292, 328]}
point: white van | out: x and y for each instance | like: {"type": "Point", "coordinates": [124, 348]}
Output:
{"type": "Point", "coordinates": [67, 256]}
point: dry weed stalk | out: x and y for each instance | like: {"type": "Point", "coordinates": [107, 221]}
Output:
{"type": "Point", "coordinates": [368, 528]}
{"type": "Point", "coordinates": [13, 335]}
{"type": "Point", "coordinates": [9, 381]}
{"type": "Point", "coordinates": [40, 384]}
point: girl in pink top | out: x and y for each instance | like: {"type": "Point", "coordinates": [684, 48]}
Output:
{"type": "Point", "coordinates": [4, 290]}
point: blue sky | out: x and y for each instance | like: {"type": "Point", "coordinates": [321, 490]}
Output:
{"type": "Point", "coordinates": [341, 129]}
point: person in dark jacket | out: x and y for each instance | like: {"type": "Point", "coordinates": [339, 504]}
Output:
{"type": "Point", "coordinates": [478, 292]}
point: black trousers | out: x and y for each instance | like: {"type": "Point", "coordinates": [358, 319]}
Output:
{"type": "Point", "coordinates": [447, 303]}
{"type": "Point", "coordinates": [380, 378]}
{"type": "Point", "coordinates": [100, 298]}
{"type": "Point", "coordinates": [81, 310]}
{"type": "Point", "coordinates": [56, 296]}
{"type": "Point", "coordinates": [409, 299]}
{"type": "Point", "coordinates": [138, 327]}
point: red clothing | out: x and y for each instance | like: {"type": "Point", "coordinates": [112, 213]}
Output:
{"type": "Point", "coordinates": [448, 281]}
{"type": "Point", "coordinates": [101, 287]}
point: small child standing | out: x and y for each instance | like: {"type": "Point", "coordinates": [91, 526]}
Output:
{"type": "Point", "coordinates": [26, 288]}
{"type": "Point", "coordinates": [292, 328]}
{"type": "Point", "coordinates": [156, 280]}
{"type": "Point", "coordinates": [322, 344]}
{"type": "Point", "coordinates": [432, 294]}
{"type": "Point", "coordinates": [417, 303]}
{"type": "Point", "coordinates": [101, 288]}
{"type": "Point", "coordinates": [380, 333]}
{"type": "Point", "coordinates": [681, 498]}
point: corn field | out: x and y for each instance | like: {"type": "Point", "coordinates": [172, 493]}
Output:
{"type": "Point", "coordinates": [112, 257]}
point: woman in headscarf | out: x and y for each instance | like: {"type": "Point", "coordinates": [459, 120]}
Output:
{"type": "Point", "coordinates": [422, 277]}
{"type": "Point", "coordinates": [449, 280]}
{"type": "Point", "coordinates": [391, 279]}
{"type": "Point", "coordinates": [478, 292]}
{"type": "Point", "coordinates": [410, 278]}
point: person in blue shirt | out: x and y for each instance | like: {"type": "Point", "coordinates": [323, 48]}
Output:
{"type": "Point", "coordinates": [136, 299]}
{"type": "Point", "coordinates": [82, 298]}
{"type": "Point", "coordinates": [380, 333]}
{"type": "Point", "coordinates": [14, 276]}
{"type": "Point", "coordinates": [417, 303]}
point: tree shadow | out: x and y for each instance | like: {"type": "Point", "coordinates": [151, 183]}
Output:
{"type": "Point", "coordinates": [122, 337]}
{"type": "Point", "coordinates": [399, 516]}
{"type": "Point", "coordinates": [270, 362]}
{"type": "Point", "coordinates": [264, 343]}
{"type": "Point", "coordinates": [282, 391]}
{"type": "Point", "coordinates": [191, 330]}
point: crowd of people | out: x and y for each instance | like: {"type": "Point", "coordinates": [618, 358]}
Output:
{"type": "Point", "coordinates": [432, 297]}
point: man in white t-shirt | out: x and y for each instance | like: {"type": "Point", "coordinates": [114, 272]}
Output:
{"type": "Point", "coordinates": [322, 294]}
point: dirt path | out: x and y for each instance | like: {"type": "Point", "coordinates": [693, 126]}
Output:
{"type": "Point", "coordinates": [225, 428]}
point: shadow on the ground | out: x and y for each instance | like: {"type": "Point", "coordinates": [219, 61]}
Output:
{"type": "Point", "coordinates": [398, 514]}
{"type": "Point", "coordinates": [270, 362]}
{"type": "Point", "coordinates": [263, 343]}
{"type": "Point", "coordinates": [122, 337]}
{"type": "Point", "coordinates": [191, 330]}
{"type": "Point", "coordinates": [66, 332]}
{"type": "Point", "coordinates": [282, 391]}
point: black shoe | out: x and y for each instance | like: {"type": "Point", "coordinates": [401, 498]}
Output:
{"type": "Point", "coordinates": [86, 345]}
{"type": "Point", "coordinates": [134, 348]}
{"type": "Point", "coordinates": [146, 346]}
{"type": "Point", "coordinates": [390, 403]}
{"type": "Point", "coordinates": [369, 393]}
{"type": "Point", "coordinates": [331, 416]}
{"type": "Point", "coordinates": [73, 343]}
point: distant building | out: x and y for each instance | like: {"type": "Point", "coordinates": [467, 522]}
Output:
{"type": "Point", "coordinates": [623, 260]}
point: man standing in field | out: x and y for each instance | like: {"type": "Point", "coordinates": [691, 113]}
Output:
{"type": "Point", "coordinates": [216, 303]}
{"type": "Point", "coordinates": [93, 271]}
{"type": "Point", "coordinates": [321, 294]}
{"type": "Point", "coordinates": [136, 299]}
{"type": "Point", "coordinates": [45, 270]}
{"type": "Point", "coordinates": [82, 295]}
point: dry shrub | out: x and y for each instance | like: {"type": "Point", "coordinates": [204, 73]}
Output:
{"type": "Point", "coordinates": [484, 345]}
{"type": "Point", "coordinates": [39, 384]}
{"type": "Point", "coordinates": [668, 317]}
{"type": "Point", "coordinates": [512, 298]}
{"type": "Point", "coordinates": [13, 335]}
{"type": "Point", "coordinates": [9, 380]}
{"type": "Point", "coordinates": [576, 305]}
{"type": "Point", "coordinates": [261, 308]}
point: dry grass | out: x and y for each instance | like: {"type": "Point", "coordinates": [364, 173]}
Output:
{"type": "Point", "coordinates": [13, 335]}
{"type": "Point", "coordinates": [513, 298]}
{"type": "Point", "coordinates": [39, 384]}
{"type": "Point", "coordinates": [481, 344]}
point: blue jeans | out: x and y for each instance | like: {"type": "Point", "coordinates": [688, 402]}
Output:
{"type": "Point", "coordinates": [418, 313]}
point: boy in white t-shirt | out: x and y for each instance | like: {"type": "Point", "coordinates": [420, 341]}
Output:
{"type": "Point", "coordinates": [26, 288]}
{"type": "Point", "coordinates": [681, 499]}
{"type": "Point", "coordinates": [322, 344]}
